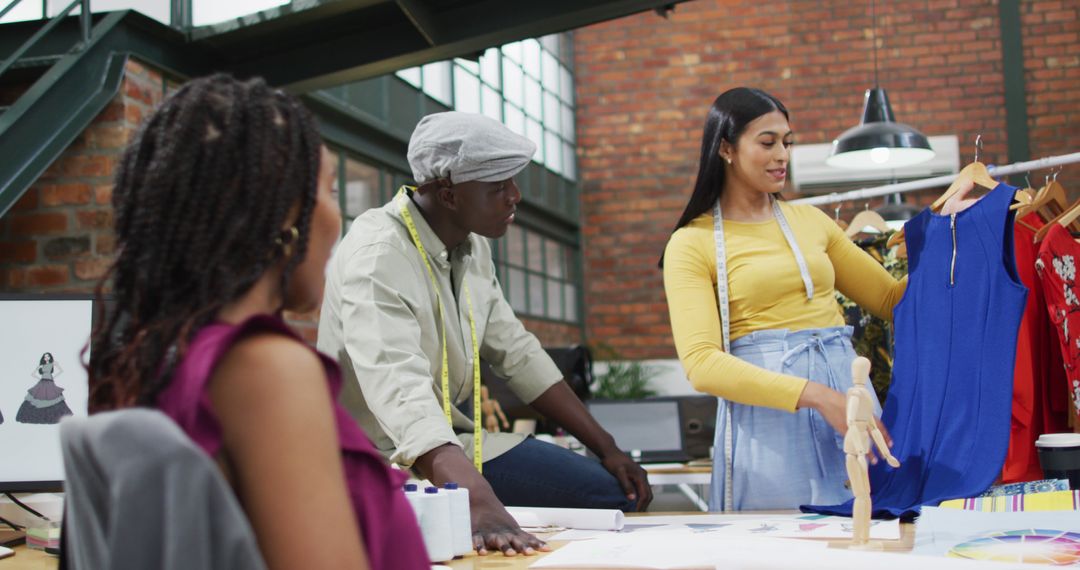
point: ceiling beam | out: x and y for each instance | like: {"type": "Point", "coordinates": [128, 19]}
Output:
{"type": "Point", "coordinates": [356, 52]}
{"type": "Point", "coordinates": [421, 18]}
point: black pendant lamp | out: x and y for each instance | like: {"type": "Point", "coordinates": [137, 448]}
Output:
{"type": "Point", "coordinates": [879, 142]}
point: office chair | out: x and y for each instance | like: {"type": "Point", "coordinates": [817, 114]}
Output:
{"type": "Point", "coordinates": [140, 494]}
{"type": "Point", "coordinates": [575, 363]}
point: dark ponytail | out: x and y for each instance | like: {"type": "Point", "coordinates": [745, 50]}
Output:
{"type": "Point", "coordinates": [727, 119]}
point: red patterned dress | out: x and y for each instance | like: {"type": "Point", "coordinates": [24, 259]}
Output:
{"type": "Point", "coordinates": [1056, 266]}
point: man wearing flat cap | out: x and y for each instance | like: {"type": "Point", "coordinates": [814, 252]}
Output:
{"type": "Point", "coordinates": [412, 301]}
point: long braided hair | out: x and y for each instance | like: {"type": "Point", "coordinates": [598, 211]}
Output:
{"type": "Point", "coordinates": [201, 198]}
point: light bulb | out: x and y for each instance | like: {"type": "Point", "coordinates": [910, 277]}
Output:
{"type": "Point", "coordinates": [879, 155]}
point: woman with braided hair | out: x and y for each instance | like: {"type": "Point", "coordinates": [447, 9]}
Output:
{"type": "Point", "coordinates": [225, 218]}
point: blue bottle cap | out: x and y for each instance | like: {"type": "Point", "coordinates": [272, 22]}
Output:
{"type": "Point", "coordinates": [431, 490]}
{"type": "Point", "coordinates": [450, 486]}
{"type": "Point", "coordinates": [410, 487]}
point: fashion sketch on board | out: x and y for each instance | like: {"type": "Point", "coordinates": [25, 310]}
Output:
{"type": "Point", "coordinates": [44, 402]}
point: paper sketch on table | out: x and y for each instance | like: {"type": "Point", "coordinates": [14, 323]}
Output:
{"type": "Point", "coordinates": [677, 549]}
{"type": "Point", "coordinates": [746, 525]}
{"type": "Point", "coordinates": [705, 527]}
{"type": "Point", "coordinates": [685, 550]}
{"type": "Point", "coordinates": [627, 528]}
{"type": "Point", "coordinates": [1044, 537]}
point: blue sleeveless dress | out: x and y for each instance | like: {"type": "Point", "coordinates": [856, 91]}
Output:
{"type": "Point", "coordinates": [949, 404]}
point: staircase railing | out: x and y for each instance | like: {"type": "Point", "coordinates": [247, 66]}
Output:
{"type": "Point", "coordinates": [84, 29]}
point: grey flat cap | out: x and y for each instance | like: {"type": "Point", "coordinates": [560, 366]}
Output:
{"type": "Point", "coordinates": [465, 147]}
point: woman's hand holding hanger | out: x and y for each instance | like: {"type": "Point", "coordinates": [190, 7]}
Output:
{"type": "Point", "coordinates": [959, 201]}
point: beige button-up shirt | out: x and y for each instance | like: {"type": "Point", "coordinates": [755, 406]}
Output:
{"type": "Point", "coordinates": [380, 320]}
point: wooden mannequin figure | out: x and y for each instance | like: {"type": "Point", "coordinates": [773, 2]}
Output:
{"type": "Point", "coordinates": [860, 422]}
{"type": "Point", "coordinates": [492, 412]}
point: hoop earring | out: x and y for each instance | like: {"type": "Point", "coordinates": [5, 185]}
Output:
{"type": "Point", "coordinates": [286, 240]}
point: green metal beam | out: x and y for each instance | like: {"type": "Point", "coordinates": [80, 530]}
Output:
{"type": "Point", "coordinates": [335, 42]}
{"type": "Point", "coordinates": [1012, 50]}
{"type": "Point", "coordinates": [347, 128]}
{"type": "Point", "coordinates": [422, 19]}
{"type": "Point", "coordinates": [318, 58]}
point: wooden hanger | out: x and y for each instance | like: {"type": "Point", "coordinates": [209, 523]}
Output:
{"type": "Point", "coordinates": [966, 180]}
{"type": "Point", "coordinates": [1049, 202]}
{"type": "Point", "coordinates": [1068, 219]}
{"type": "Point", "coordinates": [864, 219]}
{"type": "Point", "coordinates": [1024, 197]}
{"type": "Point", "coordinates": [972, 174]}
{"type": "Point", "coordinates": [1069, 216]}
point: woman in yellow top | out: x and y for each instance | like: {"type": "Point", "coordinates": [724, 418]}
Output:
{"type": "Point", "coordinates": [754, 315]}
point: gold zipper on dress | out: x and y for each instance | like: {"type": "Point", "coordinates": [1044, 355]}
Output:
{"type": "Point", "coordinates": [952, 266]}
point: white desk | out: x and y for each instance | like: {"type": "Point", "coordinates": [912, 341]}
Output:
{"type": "Point", "coordinates": [682, 476]}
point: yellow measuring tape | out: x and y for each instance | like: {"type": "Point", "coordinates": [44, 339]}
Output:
{"type": "Point", "coordinates": [477, 432]}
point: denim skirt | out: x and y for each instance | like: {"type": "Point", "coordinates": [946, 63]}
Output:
{"type": "Point", "coordinates": [781, 460]}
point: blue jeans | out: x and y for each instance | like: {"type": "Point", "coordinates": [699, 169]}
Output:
{"type": "Point", "coordinates": [539, 474]}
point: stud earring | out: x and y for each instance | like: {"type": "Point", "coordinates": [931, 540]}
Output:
{"type": "Point", "coordinates": [286, 240]}
{"type": "Point", "coordinates": [728, 160]}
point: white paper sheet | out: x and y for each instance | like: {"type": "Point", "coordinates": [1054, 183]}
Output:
{"type": "Point", "coordinates": [681, 550]}
{"type": "Point", "coordinates": [1050, 537]}
{"type": "Point", "coordinates": [768, 526]}
{"type": "Point", "coordinates": [665, 550]}
{"type": "Point", "coordinates": [583, 519]}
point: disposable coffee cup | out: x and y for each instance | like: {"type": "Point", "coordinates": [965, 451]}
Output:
{"type": "Point", "coordinates": [1059, 456]}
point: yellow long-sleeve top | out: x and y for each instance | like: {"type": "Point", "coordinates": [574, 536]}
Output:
{"type": "Point", "coordinates": [765, 292]}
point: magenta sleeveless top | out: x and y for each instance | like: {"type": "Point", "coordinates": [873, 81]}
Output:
{"type": "Point", "coordinates": [387, 526]}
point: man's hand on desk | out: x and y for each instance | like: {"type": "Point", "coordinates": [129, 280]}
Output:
{"type": "Point", "coordinates": [632, 478]}
{"type": "Point", "coordinates": [495, 530]}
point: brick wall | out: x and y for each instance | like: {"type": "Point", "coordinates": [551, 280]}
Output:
{"type": "Point", "coordinates": [644, 85]}
{"type": "Point", "coordinates": [58, 236]}
{"type": "Point", "coordinates": [1052, 79]}
{"type": "Point", "coordinates": [551, 333]}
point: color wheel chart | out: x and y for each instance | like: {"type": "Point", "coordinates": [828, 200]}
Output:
{"type": "Point", "coordinates": [1030, 546]}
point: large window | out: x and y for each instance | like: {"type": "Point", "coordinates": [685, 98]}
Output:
{"type": "Point", "coordinates": [528, 85]}
{"type": "Point", "coordinates": [203, 12]}
{"type": "Point", "coordinates": [538, 274]}
{"type": "Point", "coordinates": [360, 185]}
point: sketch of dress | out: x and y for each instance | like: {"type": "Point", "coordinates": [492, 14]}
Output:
{"type": "Point", "coordinates": [44, 402]}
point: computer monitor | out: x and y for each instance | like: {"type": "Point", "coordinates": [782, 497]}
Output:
{"type": "Point", "coordinates": [659, 429]}
{"type": "Point", "coordinates": [42, 379]}
{"type": "Point", "coordinates": [641, 426]}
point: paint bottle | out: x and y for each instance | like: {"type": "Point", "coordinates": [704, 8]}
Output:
{"type": "Point", "coordinates": [460, 518]}
{"type": "Point", "coordinates": [435, 525]}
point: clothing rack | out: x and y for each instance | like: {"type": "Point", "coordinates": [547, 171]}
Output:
{"type": "Point", "coordinates": [937, 181]}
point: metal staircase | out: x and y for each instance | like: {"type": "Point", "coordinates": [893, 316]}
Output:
{"type": "Point", "coordinates": [55, 82]}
